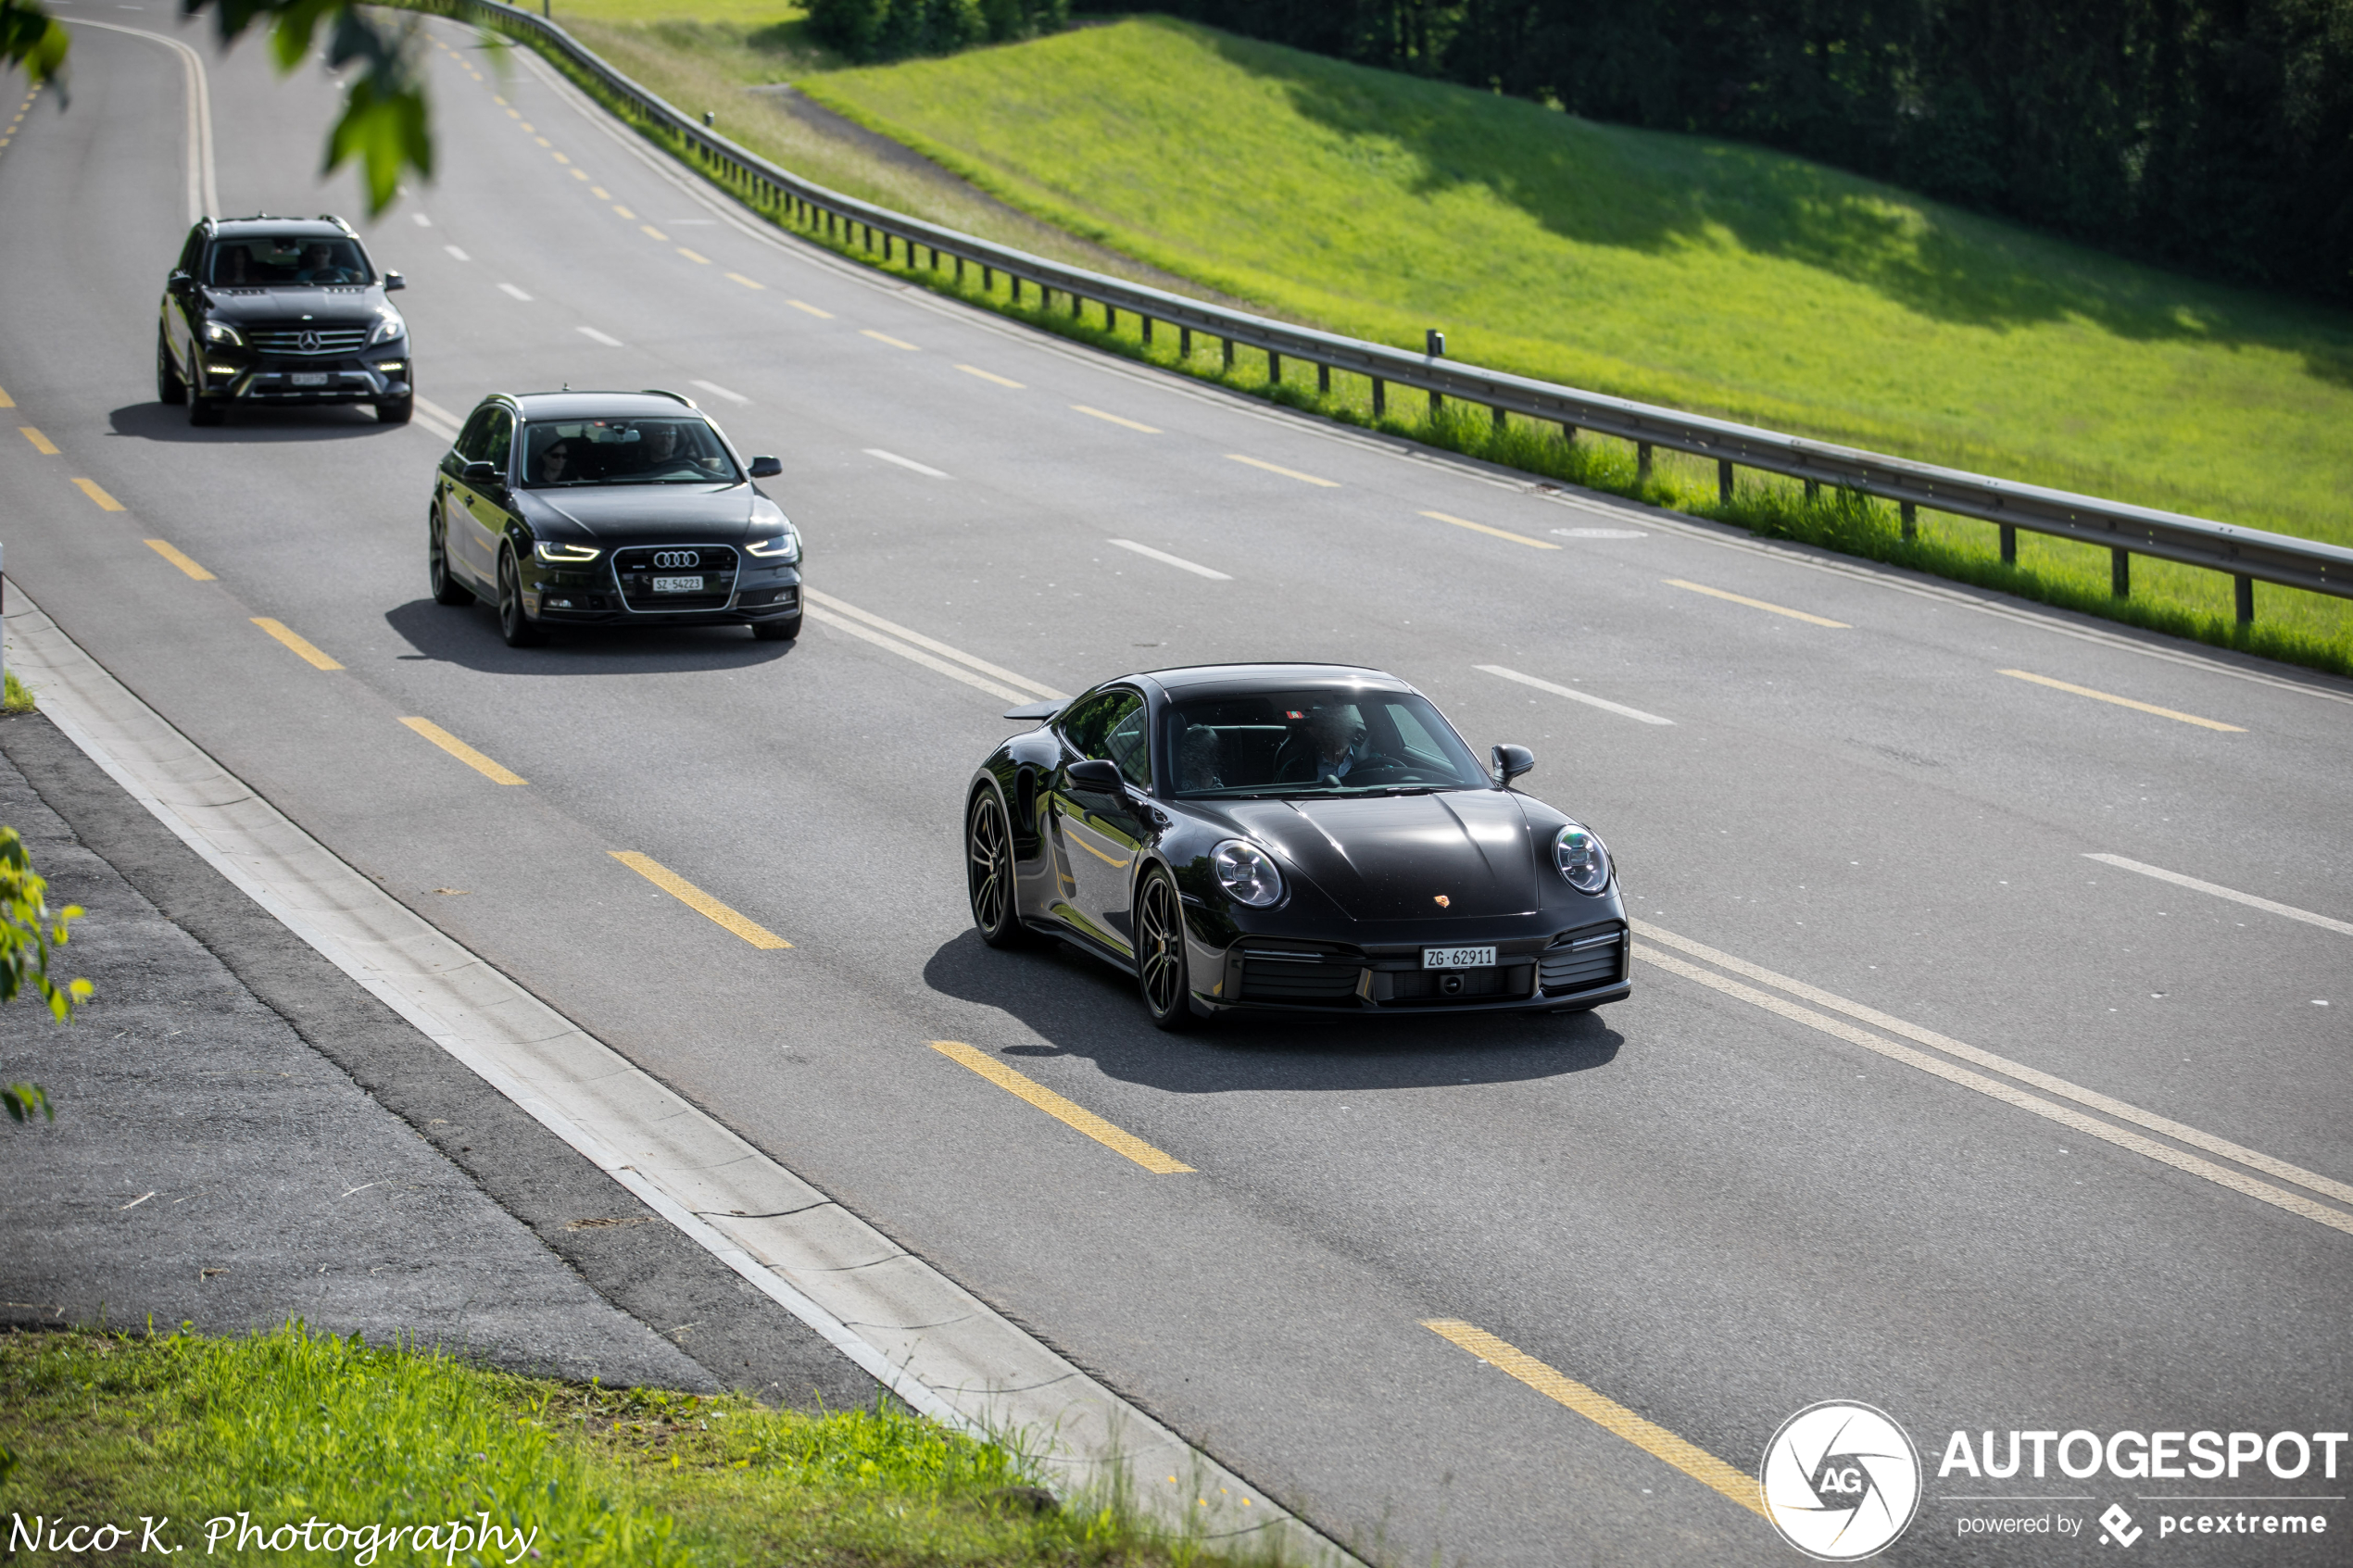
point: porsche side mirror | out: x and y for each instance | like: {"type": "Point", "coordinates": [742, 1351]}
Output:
{"type": "Point", "coordinates": [1510, 762]}
{"type": "Point", "coordinates": [394, 280]}
{"type": "Point", "coordinates": [1095, 773]}
{"type": "Point", "coordinates": [480, 474]}
{"type": "Point", "coordinates": [766, 468]}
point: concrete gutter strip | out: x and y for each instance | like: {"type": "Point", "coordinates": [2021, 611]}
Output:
{"type": "Point", "coordinates": [918, 1333]}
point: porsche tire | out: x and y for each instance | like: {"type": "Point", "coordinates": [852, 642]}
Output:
{"type": "Point", "coordinates": [989, 874]}
{"type": "Point", "coordinates": [1161, 974]}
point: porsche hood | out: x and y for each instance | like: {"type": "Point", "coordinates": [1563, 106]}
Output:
{"type": "Point", "coordinates": [1381, 858]}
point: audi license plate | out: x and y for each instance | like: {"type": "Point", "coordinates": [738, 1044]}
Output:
{"type": "Point", "coordinates": [1458, 958]}
{"type": "Point", "coordinates": [308, 378]}
{"type": "Point", "coordinates": [678, 584]}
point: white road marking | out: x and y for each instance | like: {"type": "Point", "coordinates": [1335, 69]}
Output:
{"type": "Point", "coordinates": [2344, 928]}
{"type": "Point", "coordinates": [608, 340]}
{"type": "Point", "coordinates": [516, 293]}
{"type": "Point", "coordinates": [718, 391]}
{"type": "Point", "coordinates": [1575, 695]}
{"type": "Point", "coordinates": [459, 254]}
{"type": "Point", "coordinates": [1177, 561]}
{"type": "Point", "coordinates": [422, 221]}
{"type": "Point", "coordinates": [1030, 687]}
{"type": "Point", "coordinates": [1601, 533]}
{"type": "Point", "coordinates": [843, 623]}
{"type": "Point", "coordinates": [902, 462]}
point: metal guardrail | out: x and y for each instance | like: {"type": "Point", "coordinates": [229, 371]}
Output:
{"type": "Point", "coordinates": [2248, 555]}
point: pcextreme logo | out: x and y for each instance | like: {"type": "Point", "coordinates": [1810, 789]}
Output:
{"type": "Point", "coordinates": [1841, 1481]}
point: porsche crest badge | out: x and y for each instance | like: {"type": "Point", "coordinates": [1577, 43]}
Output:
{"type": "Point", "coordinates": [1443, 901]}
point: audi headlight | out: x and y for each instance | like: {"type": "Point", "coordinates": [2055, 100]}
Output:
{"type": "Point", "coordinates": [388, 326]}
{"type": "Point", "coordinates": [554, 554]}
{"type": "Point", "coordinates": [785, 549]}
{"type": "Point", "coordinates": [1582, 860]}
{"type": "Point", "coordinates": [1247, 874]}
{"type": "Point", "coordinates": [223, 333]}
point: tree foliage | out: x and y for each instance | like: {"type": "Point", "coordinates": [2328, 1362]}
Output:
{"type": "Point", "coordinates": [28, 929]}
{"type": "Point", "coordinates": [895, 29]}
{"type": "Point", "coordinates": [2214, 135]}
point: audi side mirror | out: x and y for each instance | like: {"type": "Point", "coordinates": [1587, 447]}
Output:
{"type": "Point", "coordinates": [1095, 773]}
{"type": "Point", "coordinates": [1510, 762]}
{"type": "Point", "coordinates": [480, 474]}
{"type": "Point", "coordinates": [766, 468]}
{"type": "Point", "coordinates": [393, 281]}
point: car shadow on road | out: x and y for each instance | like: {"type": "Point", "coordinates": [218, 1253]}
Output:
{"type": "Point", "coordinates": [1083, 1007]}
{"type": "Point", "coordinates": [468, 635]}
{"type": "Point", "coordinates": [338, 421]}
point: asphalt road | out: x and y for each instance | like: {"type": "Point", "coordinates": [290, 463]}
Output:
{"type": "Point", "coordinates": [1713, 1204]}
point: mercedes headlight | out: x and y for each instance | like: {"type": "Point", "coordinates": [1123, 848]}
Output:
{"type": "Point", "coordinates": [388, 326]}
{"type": "Point", "coordinates": [783, 548]}
{"type": "Point", "coordinates": [556, 554]}
{"type": "Point", "coordinates": [223, 333]}
{"type": "Point", "coordinates": [1247, 874]}
{"type": "Point", "coordinates": [1582, 860]}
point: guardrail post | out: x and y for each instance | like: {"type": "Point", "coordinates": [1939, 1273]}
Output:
{"type": "Point", "coordinates": [1813, 491]}
{"type": "Point", "coordinates": [1185, 344]}
{"type": "Point", "coordinates": [1322, 377]}
{"type": "Point", "coordinates": [1568, 432]}
{"type": "Point", "coordinates": [1641, 462]}
{"type": "Point", "coordinates": [960, 271]}
{"type": "Point", "coordinates": [1724, 481]}
{"type": "Point", "coordinates": [2009, 544]}
{"type": "Point", "coordinates": [2120, 572]}
{"type": "Point", "coordinates": [1498, 411]}
{"type": "Point", "coordinates": [1380, 398]}
{"type": "Point", "coordinates": [2246, 586]}
{"type": "Point", "coordinates": [1230, 351]}
{"type": "Point", "coordinates": [1274, 368]}
{"type": "Point", "coordinates": [1111, 316]}
{"type": "Point", "coordinates": [1148, 330]}
{"type": "Point", "coordinates": [1911, 520]}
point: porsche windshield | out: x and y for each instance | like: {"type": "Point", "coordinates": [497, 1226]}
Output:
{"type": "Point", "coordinates": [647, 451]}
{"type": "Point", "coordinates": [1333, 740]}
{"type": "Point", "coordinates": [287, 261]}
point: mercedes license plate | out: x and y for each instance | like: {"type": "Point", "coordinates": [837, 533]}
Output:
{"type": "Point", "coordinates": [308, 378]}
{"type": "Point", "coordinates": [678, 584]}
{"type": "Point", "coordinates": [1458, 958]}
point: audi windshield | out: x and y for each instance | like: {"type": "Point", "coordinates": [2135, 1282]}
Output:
{"type": "Point", "coordinates": [626, 451]}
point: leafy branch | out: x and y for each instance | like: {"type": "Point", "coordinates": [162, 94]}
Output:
{"type": "Point", "coordinates": [28, 929]}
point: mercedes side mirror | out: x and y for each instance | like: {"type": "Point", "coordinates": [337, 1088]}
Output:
{"type": "Point", "coordinates": [1510, 762]}
{"type": "Point", "coordinates": [179, 282]}
{"type": "Point", "coordinates": [480, 474]}
{"type": "Point", "coordinates": [394, 280]}
{"type": "Point", "coordinates": [1095, 773]}
{"type": "Point", "coordinates": [766, 468]}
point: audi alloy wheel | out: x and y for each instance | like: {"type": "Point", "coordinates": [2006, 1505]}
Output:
{"type": "Point", "coordinates": [446, 590]}
{"type": "Point", "coordinates": [514, 624]}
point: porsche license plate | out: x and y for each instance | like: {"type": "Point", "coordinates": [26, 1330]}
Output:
{"type": "Point", "coordinates": [308, 378]}
{"type": "Point", "coordinates": [678, 584]}
{"type": "Point", "coordinates": [1458, 958]}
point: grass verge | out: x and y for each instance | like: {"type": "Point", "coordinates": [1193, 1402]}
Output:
{"type": "Point", "coordinates": [241, 1442]}
{"type": "Point", "coordinates": [17, 697]}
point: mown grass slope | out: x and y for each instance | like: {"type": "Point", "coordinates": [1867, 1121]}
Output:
{"type": "Point", "coordinates": [1702, 274]}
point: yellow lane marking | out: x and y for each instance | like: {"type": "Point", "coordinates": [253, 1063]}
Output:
{"type": "Point", "coordinates": [2075, 1121]}
{"type": "Point", "coordinates": [561, 158]}
{"type": "Point", "coordinates": [695, 898]}
{"type": "Point", "coordinates": [528, 130]}
{"type": "Point", "coordinates": [576, 173]}
{"type": "Point", "coordinates": [886, 337]}
{"type": "Point", "coordinates": [172, 555]}
{"type": "Point", "coordinates": [1060, 1109]}
{"type": "Point", "coordinates": [7, 401]}
{"type": "Point", "coordinates": [1498, 533]}
{"type": "Point", "coordinates": [976, 370]}
{"type": "Point", "coordinates": [600, 192]}
{"type": "Point", "coordinates": [40, 443]}
{"type": "Point", "coordinates": [1756, 604]}
{"type": "Point", "coordinates": [1286, 473]}
{"type": "Point", "coordinates": [1604, 1411]}
{"type": "Point", "coordinates": [2125, 702]}
{"type": "Point", "coordinates": [692, 257]}
{"type": "Point", "coordinates": [464, 753]}
{"type": "Point", "coordinates": [106, 502]}
{"type": "Point", "coordinates": [543, 141]}
{"type": "Point", "coordinates": [651, 232]}
{"type": "Point", "coordinates": [1114, 418]}
{"type": "Point", "coordinates": [624, 212]}
{"type": "Point", "coordinates": [803, 305]}
{"type": "Point", "coordinates": [747, 282]}
{"type": "Point", "coordinates": [302, 647]}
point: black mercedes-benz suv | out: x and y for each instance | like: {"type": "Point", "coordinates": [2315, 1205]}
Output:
{"type": "Point", "coordinates": [281, 310]}
{"type": "Point", "coordinates": [606, 508]}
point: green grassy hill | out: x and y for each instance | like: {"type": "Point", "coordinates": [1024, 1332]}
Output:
{"type": "Point", "coordinates": [1709, 276]}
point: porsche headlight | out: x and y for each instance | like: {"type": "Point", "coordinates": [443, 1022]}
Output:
{"type": "Point", "coordinates": [556, 554]}
{"type": "Point", "coordinates": [221, 332]}
{"type": "Point", "coordinates": [1247, 874]}
{"type": "Point", "coordinates": [1582, 860]}
{"type": "Point", "coordinates": [388, 326]}
{"type": "Point", "coordinates": [783, 548]}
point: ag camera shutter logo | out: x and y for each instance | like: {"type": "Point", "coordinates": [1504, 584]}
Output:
{"type": "Point", "coordinates": [1841, 1481]}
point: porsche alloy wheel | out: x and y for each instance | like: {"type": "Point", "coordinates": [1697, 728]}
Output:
{"type": "Point", "coordinates": [989, 874]}
{"type": "Point", "coordinates": [1160, 952]}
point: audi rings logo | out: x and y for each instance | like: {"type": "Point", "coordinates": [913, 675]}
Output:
{"type": "Point", "coordinates": [308, 341]}
{"type": "Point", "coordinates": [1841, 1481]}
{"type": "Point", "coordinates": [668, 560]}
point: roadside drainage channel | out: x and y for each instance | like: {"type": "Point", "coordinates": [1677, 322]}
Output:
{"type": "Point", "coordinates": [916, 1332]}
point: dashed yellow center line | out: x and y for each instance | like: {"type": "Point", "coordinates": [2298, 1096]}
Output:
{"type": "Point", "coordinates": [40, 443]}
{"type": "Point", "coordinates": [2125, 702]}
{"type": "Point", "coordinates": [695, 898]}
{"type": "Point", "coordinates": [1756, 604]}
{"type": "Point", "coordinates": [560, 158]}
{"type": "Point", "coordinates": [543, 141]}
{"type": "Point", "coordinates": [105, 503]}
{"type": "Point", "coordinates": [7, 401]}
{"type": "Point", "coordinates": [652, 233]}
{"type": "Point", "coordinates": [528, 129]}
{"type": "Point", "coordinates": [886, 337]}
{"type": "Point", "coordinates": [576, 173]}
{"type": "Point", "coordinates": [1113, 419]}
{"type": "Point", "coordinates": [301, 645]}
{"type": "Point", "coordinates": [1498, 533]}
{"type": "Point", "coordinates": [600, 192]}
{"type": "Point", "coordinates": [174, 555]}
{"type": "Point", "coordinates": [624, 212]}
{"type": "Point", "coordinates": [1604, 1411]}
{"type": "Point", "coordinates": [692, 257]}
{"type": "Point", "coordinates": [1060, 1109]}
{"type": "Point", "coordinates": [464, 753]}
{"type": "Point", "coordinates": [502, 103]}
{"type": "Point", "coordinates": [804, 305]}
{"type": "Point", "coordinates": [1286, 473]}
{"type": "Point", "coordinates": [748, 283]}
{"type": "Point", "coordinates": [976, 370]}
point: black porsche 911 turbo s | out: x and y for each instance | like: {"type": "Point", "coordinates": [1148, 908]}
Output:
{"type": "Point", "coordinates": [608, 509]}
{"type": "Point", "coordinates": [1295, 838]}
